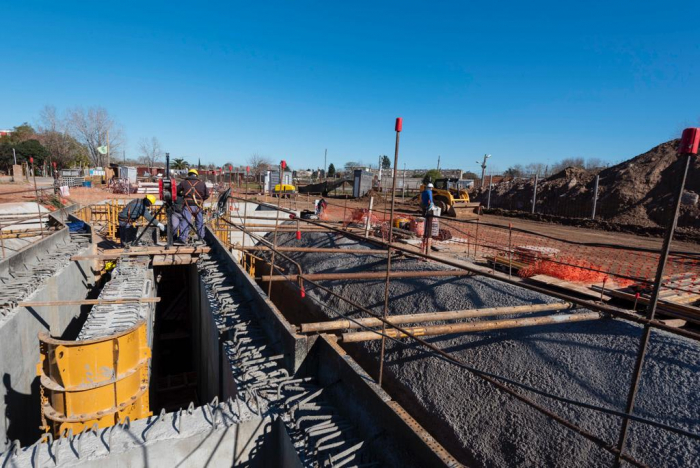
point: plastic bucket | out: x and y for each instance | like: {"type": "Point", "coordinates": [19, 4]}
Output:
{"type": "Point", "coordinates": [87, 183]}
{"type": "Point", "coordinates": [418, 226]}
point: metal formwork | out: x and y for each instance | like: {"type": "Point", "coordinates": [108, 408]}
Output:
{"type": "Point", "coordinates": [100, 381]}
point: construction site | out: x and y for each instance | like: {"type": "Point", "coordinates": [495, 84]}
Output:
{"type": "Point", "coordinates": [360, 334]}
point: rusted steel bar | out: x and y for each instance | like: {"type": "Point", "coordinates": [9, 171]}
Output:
{"type": "Point", "coordinates": [431, 317]}
{"type": "Point", "coordinates": [399, 122]}
{"type": "Point", "coordinates": [651, 311]}
{"type": "Point", "coordinates": [372, 275]}
{"type": "Point", "coordinates": [274, 240]}
{"type": "Point", "coordinates": [483, 325]}
{"type": "Point", "coordinates": [337, 250]}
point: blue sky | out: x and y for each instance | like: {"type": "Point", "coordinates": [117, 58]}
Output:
{"type": "Point", "coordinates": [528, 82]}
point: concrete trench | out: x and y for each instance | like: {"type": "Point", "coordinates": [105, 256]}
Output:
{"type": "Point", "coordinates": [479, 426]}
{"type": "Point", "coordinates": [263, 395]}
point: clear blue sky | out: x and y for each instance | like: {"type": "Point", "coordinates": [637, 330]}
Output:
{"type": "Point", "coordinates": [530, 83]}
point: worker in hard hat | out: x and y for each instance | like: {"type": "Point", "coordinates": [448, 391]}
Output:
{"type": "Point", "coordinates": [426, 198]}
{"type": "Point", "coordinates": [193, 192]}
{"type": "Point", "coordinates": [131, 213]}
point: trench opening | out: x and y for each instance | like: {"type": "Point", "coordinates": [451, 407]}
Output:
{"type": "Point", "coordinates": [174, 377]}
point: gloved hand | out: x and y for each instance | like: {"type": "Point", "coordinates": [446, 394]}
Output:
{"type": "Point", "coordinates": [161, 227]}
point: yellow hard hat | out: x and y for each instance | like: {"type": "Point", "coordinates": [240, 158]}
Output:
{"type": "Point", "coordinates": [151, 199]}
{"type": "Point", "coordinates": [193, 171]}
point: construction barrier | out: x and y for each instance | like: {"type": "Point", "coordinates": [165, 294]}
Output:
{"type": "Point", "coordinates": [94, 382]}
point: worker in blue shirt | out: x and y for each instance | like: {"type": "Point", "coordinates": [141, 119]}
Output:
{"type": "Point", "coordinates": [426, 198]}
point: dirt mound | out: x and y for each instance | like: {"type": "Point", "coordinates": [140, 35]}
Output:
{"type": "Point", "coordinates": [637, 192]}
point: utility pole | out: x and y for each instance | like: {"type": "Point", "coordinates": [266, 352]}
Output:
{"type": "Point", "coordinates": [325, 164]}
{"type": "Point", "coordinates": [403, 184]}
{"type": "Point", "coordinates": [107, 148]}
{"type": "Point", "coordinates": [15, 155]}
{"type": "Point", "coordinates": [438, 166]}
{"type": "Point", "coordinates": [483, 168]}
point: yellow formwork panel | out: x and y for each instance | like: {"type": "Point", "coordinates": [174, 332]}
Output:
{"type": "Point", "coordinates": [99, 381]}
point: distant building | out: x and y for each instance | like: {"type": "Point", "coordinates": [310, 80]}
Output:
{"type": "Point", "coordinates": [5, 132]}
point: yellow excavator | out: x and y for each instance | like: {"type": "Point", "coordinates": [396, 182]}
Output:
{"type": "Point", "coordinates": [452, 200]}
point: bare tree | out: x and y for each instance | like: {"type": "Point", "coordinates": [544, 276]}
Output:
{"type": "Point", "coordinates": [54, 135]}
{"type": "Point", "coordinates": [259, 164]}
{"type": "Point", "coordinates": [535, 169]}
{"type": "Point", "coordinates": [150, 152]}
{"type": "Point", "coordinates": [568, 162]}
{"type": "Point", "coordinates": [93, 128]}
{"type": "Point", "coordinates": [594, 163]}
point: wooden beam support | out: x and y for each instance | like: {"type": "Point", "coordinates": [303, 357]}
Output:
{"type": "Point", "coordinates": [112, 254]}
{"type": "Point", "coordinates": [177, 259]}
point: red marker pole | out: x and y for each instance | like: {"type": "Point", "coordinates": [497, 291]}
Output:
{"type": "Point", "coordinates": [397, 128]}
{"type": "Point", "coordinates": [688, 148]}
{"type": "Point", "coordinates": [245, 206]}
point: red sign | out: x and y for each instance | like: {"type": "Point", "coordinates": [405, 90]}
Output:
{"type": "Point", "coordinates": [399, 124]}
{"type": "Point", "coordinates": [283, 164]}
{"type": "Point", "coordinates": [247, 168]}
{"type": "Point", "coordinates": [31, 160]}
{"type": "Point", "coordinates": [690, 141]}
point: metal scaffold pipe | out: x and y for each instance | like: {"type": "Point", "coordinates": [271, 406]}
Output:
{"type": "Point", "coordinates": [431, 317]}
{"type": "Point", "coordinates": [337, 250]}
{"type": "Point", "coordinates": [364, 276]}
{"type": "Point", "coordinates": [472, 327]}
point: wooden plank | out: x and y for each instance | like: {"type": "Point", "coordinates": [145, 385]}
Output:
{"type": "Point", "coordinates": [142, 300]}
{"type": "Point", "coordinates": [178, 259]}
{"type": "Point", "coordinates": [116, 253]}
{"type": "Point", "coordinates": [682, 311]}
{"type": "Point", "coordinates": [567, 285]}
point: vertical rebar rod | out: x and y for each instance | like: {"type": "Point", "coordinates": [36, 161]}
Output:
{"type": "Point", "coordinates": [245, 209]}
{"type": "Point", "coordinates": [488, 201]}
{"type": "Point", "coordinates": [534, 195]}
{"type": "Point", "coordinates": [388, 258]}
{"type": "Point", "coordinates": [510, 250]}
{"type": "Point", "coordinates": [595, 196]}
{"type": "Point", "coordinates": [345, 209]}
{"type": "Point", "coordinates": [38, 201]}
{"type": "Point", "coordinates": [651, 312]}
{"type": "Point", "coordinates": [274, 243]}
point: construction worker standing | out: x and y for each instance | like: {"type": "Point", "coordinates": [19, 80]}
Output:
{"type": "Point", "coordinates": [426, 198]}
{"type": "Point", "coordinates": [131, 213]}
{"type": "Point", "coordinates": [193, 192]}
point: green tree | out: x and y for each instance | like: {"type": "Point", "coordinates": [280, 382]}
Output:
{"type": "Point", "coordinates": [179, 163]}
{"type": "Point", "coordinates": [470, 175]}
{"type": "Point", "coordinates": [386, 162]}
{"type": "Point", "coordinates": [331, 170]}
{"type": "Point", "coordinates": [32, 149]}
{"type": "Point", "coordinates": [431, 176]}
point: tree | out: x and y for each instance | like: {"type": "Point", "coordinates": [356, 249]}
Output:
{"type": "Point", "coordinates": [514, 171]}
{"type": "Point", "coordinates": [32, 149]}
{"type": "Point", "coordinates": [92, 129]}
{"type": "Point", "coordinates": [594, 163]}
{"type": "Point", "coordinates": [431, 176]}
{"type": "Point", "coordinates": [331, 170]}
{"type": "Point", "coordinates": [386, 162]}
{"type": "Point", "coordinates": [351, 165]}
{"type": "Point", "coordinates": [63, 149]}
{"type": "Point", "coordinates": [179, 163]}
{"type": "Point", "coordinates": [470, 175]}
{"type": "Point", "coordinates": [150, 152]}
{"type": "Point", "coordinates": [568, 162]}
{"type": "Point", "coordinates": [535, 169]}
{"type": "Point", "coordinates": [259, 164]}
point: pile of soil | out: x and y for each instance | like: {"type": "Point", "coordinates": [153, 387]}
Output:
{"type": "Point", "coordinates": [635, 192]}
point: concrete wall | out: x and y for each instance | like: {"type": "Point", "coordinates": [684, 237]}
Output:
{"type": "Point", "coordinates": [205, 338]}
{"type": "Point", "coordinates": [295, 346]}
{"type": "Point", "coordinates": [19, 349]}
{"type": "Point", "coordinates": [390, 431]}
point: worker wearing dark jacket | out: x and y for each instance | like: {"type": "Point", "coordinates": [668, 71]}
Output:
{"type": "Point", "coordinates": [134, 210]}
{"type": "Point", "coordinates": [193, 192]}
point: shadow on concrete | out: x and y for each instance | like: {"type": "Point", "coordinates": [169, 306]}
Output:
{"type": "Point", "coordinates": [22, 412]}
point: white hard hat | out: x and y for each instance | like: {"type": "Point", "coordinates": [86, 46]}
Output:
{"type": "Point", "coordinates": [430, 185]}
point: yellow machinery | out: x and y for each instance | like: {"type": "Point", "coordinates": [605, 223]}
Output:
{"type": "Point", "coordinates": [100, 381]}
{"type": "Point", "coordinates": [452, 200]}
{"type": "Point", "coordinates": [284, 189]}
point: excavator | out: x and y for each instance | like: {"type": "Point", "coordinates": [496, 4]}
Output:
{"type": "Point", "coordinates": [452, 200]}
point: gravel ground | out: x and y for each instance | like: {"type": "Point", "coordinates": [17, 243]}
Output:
{"type": "Point", "coordinates": [586, 361]}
